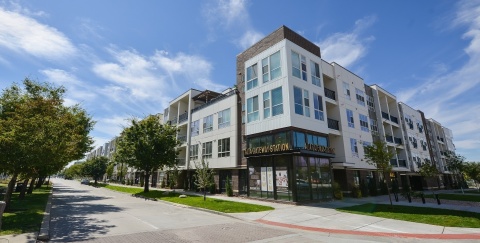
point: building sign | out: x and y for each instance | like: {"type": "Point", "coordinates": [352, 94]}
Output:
{"type": "Point", "coordinates": [319, 148]}
{"type": "Point", "coordinates": [268, 149]}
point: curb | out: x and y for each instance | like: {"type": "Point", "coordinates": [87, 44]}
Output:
{"type": "Point", "coordinates": [44, 234]}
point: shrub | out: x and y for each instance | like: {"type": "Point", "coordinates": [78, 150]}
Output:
{"type": "Point", "coordinates": [162, 185]}
{"type": "Point", "coordinates": [213, 188]}
{"type": "Point", "coordinates": [364, 188]}
{"type": "Point", "coordinates": [356, 193]}
{"type": "Point", "coordinates": [229, 187]}
{"type": "Point", "coordinates": [337, 191]}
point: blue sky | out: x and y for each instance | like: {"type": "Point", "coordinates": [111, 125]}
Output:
{"type": "Point", "coordinates": [123, 59]}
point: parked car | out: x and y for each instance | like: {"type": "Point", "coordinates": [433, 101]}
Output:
{"type": "Point", "coordinates": [85, 181]}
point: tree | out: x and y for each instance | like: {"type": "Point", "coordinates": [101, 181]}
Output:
{"type": "Point", "coordinates": [472, 170]}
{"type": "Point", "coordinates": [109, 170]}
{"type": "Point", "coordinates": [203, 176]}
{"type": "Point", "coordinates": [39, 135]}
{"type": "Point", "coordinates": [148, 145]}
{"type": "Point", "coordinates": [172, 177]}
{"type": "Point", "coordinates": [455, 164]}
{"type": "Point", "coordinates": [379, 156]}
{"type": "Point", "coordinates": [428, 169]}
{"type": "Point", "coordinates": [73, 171]}
{"type": "Point", "coordinates": [95, 167]}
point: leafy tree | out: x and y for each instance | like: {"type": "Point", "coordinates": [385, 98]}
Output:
{"type": "Point", "coordinates": [95, 167]}
{"type": "Point", "coordinates": [172, 177]}
{"type": "Point", "coordinates": [455, 164]}
{"type": "Point", "coordinates": [39, 135]}
{"type": "Point", "coordinates": [379, 156]}
{"type": "Point", "coordinates": [109, 170]}
{"type": "Point", "coordinates": [472, 170]}
{"type": "Point", "coordinates": [428, 169]}
{"type": "Point", "coordinates": [148, 145]}
{"type": "Point", "coordinates": [74, 171]}
{"type": "Point", "coordinates": [203, 176]}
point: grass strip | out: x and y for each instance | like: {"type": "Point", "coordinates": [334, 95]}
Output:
{"type": "Point", "coordinates": [25, 216]}
{"type": "Point", "coordinates": [434, 216]}
{"type": "Point", "coordinates": [457, 197]}
{"type": "Point", "coordinates": [218, 205]}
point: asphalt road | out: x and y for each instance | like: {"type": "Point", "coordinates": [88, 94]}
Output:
{"type": "Point", "coordinates": [89, 214]}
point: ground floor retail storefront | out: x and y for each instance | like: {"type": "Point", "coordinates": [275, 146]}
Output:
{"type": "Point", "coordinates": [289, 166]}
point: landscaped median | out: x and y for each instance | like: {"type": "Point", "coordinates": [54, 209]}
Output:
{"type": "Point", "coordinates": [218, 205]}
{"type": "Point", "coordinates": [434, 216]}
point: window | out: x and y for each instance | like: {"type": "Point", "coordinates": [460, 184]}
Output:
{"type": "Point", "coordinates": [366, 144]}
{"type": "Point", "coordinates": [370, 103]}
{"type": "Point", "coordinates": [195, 128]}
{"type": "Point", "coordinates": [224, 118]}
{"type": "Point", "coordinates": [297, 96]}
{"type": "Point", "coordinates": [353, 147]}
{"type": "Point", "coordinates": [350, 118]}
{"type": "Point", "coordinates": [315, 70]}
{"type": "Point", "coordinates": [318, 107]}
{"type": "Point", "coordinates": [265, 70]}
{"type": "Point", "coordinates": [224, 147]}
{"type": "Point", "coordinates": [207, 150]}
{"type": "Point", "coordinates": [363, 122]}
{"type": "Point", "coordinates": [295, 65]}
{"type": "Point", "coordinates": [360, 97]}
{"type": "Point", "coordinates": [373, 125]}
{"type": "Point", "coordinates": [304, 68]}
{"type": "Point", "coordinates": [208, 123]}
{"type": "Point", "coordinates": [346, 90]}
{"type": "Point", "coordinates": [252, 109]}
{"type": "Point", "coordinates": [277, 101]}
{"type": "Point", "coordinates": [274, 71]}
{"type": "Point", "coordinates": [193, 152]}
{"type": "Point", "coordinates": [252, 78]}
{"type": "Point", "coordinates": [266, 104]}
{"type": "Point", "coordinates": [306, 103]}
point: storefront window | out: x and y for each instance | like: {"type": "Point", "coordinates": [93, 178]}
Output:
{"type": "Point", "coordinates": [261, 179]}
{"type": "Point", "coordinates": [321, 178]}
{"type": "Point", "coordinates": [282, 178]}
{"type": "Point", "coordinates": [302, 179]}
{"type": "Point", "coordinates": [299, 140]}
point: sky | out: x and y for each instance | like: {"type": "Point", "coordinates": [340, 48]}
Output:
{"type": "Point", "coordinates": [120, 59]}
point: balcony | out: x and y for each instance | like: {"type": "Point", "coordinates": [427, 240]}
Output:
{"type": "Point", "coordinates": [215, 100]}
{"type": "Point", "coordinates": [393, 162]}
{"type": "Point", "coordinates": [183, 117]}
{"type": "Point", "coordinates": [182, 138]}
{"type": "Point", "coordinates": [402, 163]}
{"type": "Point", "coordinates": [329, 93]}
{"type": "Point", "coordinates": [397, 140]}
{"type": "Point", "coordinates": [389, 138]}
{"type": "Point", "coordinates": [333, 124]}
{"type": "Point", "coordinates": [385, 115]}
{"type": "Point", "coordinates": [180, 162]}
{"type": "Point", "coordinates": [393, 119]}
{"type": "Point", "coordinates": [173, 121]}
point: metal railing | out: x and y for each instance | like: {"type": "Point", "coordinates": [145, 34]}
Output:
{"type": "Point", "coordinates": [183, 117]}
{"type": "Point", "coordinates": [333, 124]}
{"type": "Point", "coordinates": [329, 93]}
{"type": "Point", "coordinates": [212, 101]}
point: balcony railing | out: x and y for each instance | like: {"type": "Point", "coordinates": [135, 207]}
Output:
{"type": "Point", "coordinates": [182, 138]}
{"type": "Point", "coordinates": [397, 140]}
{"type": "Point", "coordinates": [402, 163]}
{"type": "Point", "coordinates": [333, 124]}
{"type": "Point", "coordinates": [393, 162]}
{"type": "Point", "coordinates": [393, 119]}
{"type": "Point", "coordinates": [385, 115]}
{"type": "Point", "coordinates": [329, 93]}
{"type": "Point", "coordinates": [180, 162]}
{"type": "Point", "coordinates": [215, 100]}
{"type": "Point", "coordinates": [183, 117]}
{"type": "Point", "coordinates": [173, 121]}
{"type": "Point", "coordinates": [389, 138]}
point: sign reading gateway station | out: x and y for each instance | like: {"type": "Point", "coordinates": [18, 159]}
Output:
{"type": "Point", "coordinates": [286, 147]}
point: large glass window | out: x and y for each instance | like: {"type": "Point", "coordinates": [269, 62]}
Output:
{"type": "Point", "coordinates": [360, 97]}
{"type": "Point", "coordinates": [224, 118]}
{"type": "Point", "coordinates": [350, 118]}
{"type": "Point", "coordinates": [317, 140]}
{"type": "Point", "coordinates": [252, 77]}
{"type": "Point", "coordinates": [277, 101]}
{"type": "Point", "coordinates": [302, 181]}
{"type": "Point", "coordinates": [373, 125]}
{"type": "Point", "coordinates": [194, 152]}
{"type": "Point", "coordinates": [296, 65]}
{"type": "Point", "coordinates": [304, 68]}
{"type": "Point", "coordinates": [195, 128]}
{"type": "Point", "coordinates": [318, 107]}
{"type": "Point", "coordinates": [224, 147]}
{"type": "Point", "coordinates": [266, 104]}
{"type": "Point", "coordinates": [346, 90]}
{"type": "Point", "coordinates": [271, 67]}
{"type": "Point", "coordinates": [252, 109]}
{"type": "Point", "coordinates": [320, 178]}
{"type": "Point", "coordinates": [353, 147]}
{"type": "Point", "coordinates": [207, 150]}
{"type": "Point", "coordinates": [299, 140]}
{"type": "Point", "coordinates": [265, 70]}
{"type": "Point", "coordinates": [306, 103]}
{"type": "Point", "coordinates": [208, 123]}
{"type": "Point", "coordinates": [297, 96]}
{"type": "Point", "coordinates": [315, 70]}
{"type": "Point", "coordinates": [364, 122]}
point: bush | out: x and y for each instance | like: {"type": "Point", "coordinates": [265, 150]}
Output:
{"type": "Point", "coordinates": [372, 188]}
{"type": "Point", "coordinates": [229, 187]}
{"type": "Point", "coordinates": [356, 193]}
{"type": "Point", "coordinates": [383, 188]}
{"type": "Point", "coordinates": [213, 188]}
{"type": "Point", "coordinates": [162, 185]}
{"type": "Point", "coordinates": [364, 188]}
{"type": "Point", "coordinates": [337, 191]}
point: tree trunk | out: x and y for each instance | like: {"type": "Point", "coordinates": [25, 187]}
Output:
{"type": "Point", "coordinates": [388, 188]}
{"type": "Point", "coordinates": [145, 185]}
{"type": "Point", "coordinates": [24, 189]}
{"type": "Point", "coordinates": [204, 194]}
{"type": "Point", "coordinates": [32, 184]}
{"type": "Point", "coordinates": [95, 183]}
{"type": "Point", "coordinates": [40, 182]}
{"type": "Point", "coordinates": [10, 188]}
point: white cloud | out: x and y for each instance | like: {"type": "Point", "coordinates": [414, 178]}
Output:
{"type": "Point", "coordinates": [77, 91]}
{"type": "Point", "coordinates": [447, 96]}
{"type": "Point", "coordinates": [348, 47]}
{"type": "Point", "coordinates": [23, 34]}
{"type": "Point", "coordinates": [249, 38]}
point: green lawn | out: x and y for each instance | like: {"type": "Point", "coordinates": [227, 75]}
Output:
{"type": "Point", "coordinates": [434, 216]}
{"type": "Point", "coordinates": [475, 191]}
{"type": "Point", "coordinates": [25, 215]}
{"type": "Point", "coordinates": [194, 201]}
{"type": "Point", "coordinates": [458, 197]}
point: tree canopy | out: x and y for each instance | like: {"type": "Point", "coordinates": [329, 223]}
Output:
{"type": "Point", "coordinates": [203, 176]}
{"type": "Point", "coordinates": [379, 156]}
{"type": "Point", "coordinates": [95, 167]}
{"type": "Point", "coordinates": [147, 145]}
